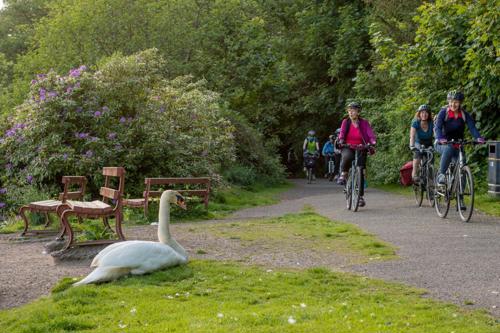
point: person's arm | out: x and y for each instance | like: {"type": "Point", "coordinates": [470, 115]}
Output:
{"type": "Point", "coordinates": [341, 138]}
{"type": "Point", "coordinates": [413, 132]}
{"type": "Point", "coordinates": [372, 139]}
{"type": "Point", "coordinates": [317, 146]}
{"type": "Point", "coordinates": [472, 126]}
{"type": "Point", "coordinates": [323, 152]}
{"type": "Point", "coordinates": [440, 124]}
{"type": "Point", "coordinates": [304, 145]}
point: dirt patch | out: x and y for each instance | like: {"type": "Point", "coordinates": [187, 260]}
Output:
{"type": "Point", "coordinates": [28, 272]}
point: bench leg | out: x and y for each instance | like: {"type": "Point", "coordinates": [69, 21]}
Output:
{"type": "Point", "coordinates": [67, 228]}
{"type": "Point", "coordinates": [22, 212]}
{"type": "Point", "coordinates": [118, 226]}
{"type": "Point", "coordinates": [205, 200]}
{"type": "Point", "coordinates": [59, 211]}
{"type": "Point", "coordinates": [106, 224]}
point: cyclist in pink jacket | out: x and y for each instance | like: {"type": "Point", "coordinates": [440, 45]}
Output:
{"type": "Point", "coordinates": [355, 131]}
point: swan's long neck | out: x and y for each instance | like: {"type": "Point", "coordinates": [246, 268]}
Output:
{"type": "Point", "coordinates": [164, 235]}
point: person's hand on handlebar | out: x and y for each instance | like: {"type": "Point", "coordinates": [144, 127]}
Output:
{"type": "Point", "coordinates": [481, 140]}
{"type": "Point", "coordinates": [442, 141]}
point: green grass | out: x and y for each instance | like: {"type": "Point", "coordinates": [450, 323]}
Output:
{"type": "Point", "coordinates": [220, 205]}
{"type": "Point", "coordinates": [395, 188]}
{"type": "Point", "coordinates": [207, 296]}
{"type": "Point", "coordinates": [305, 231]}
{"type": "Point", "coordinates": [487, 204]}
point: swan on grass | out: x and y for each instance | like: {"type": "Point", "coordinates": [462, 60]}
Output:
{"type": "Point", "coordinates": [141, 257]}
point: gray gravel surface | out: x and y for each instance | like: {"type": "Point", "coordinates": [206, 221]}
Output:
{"type": "Point", "coordinates": [455, 261]}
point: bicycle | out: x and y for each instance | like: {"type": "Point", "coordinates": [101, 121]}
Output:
{"type": "Point", "coordinates": [310, 163]}
{"type": "Point", "coordinates": [331, 166]}
{"type": "Point", "coordinates": [426, 176]}
{"type": "Point", "coordinates": [355, 179]}
{"type": "Point", "coordinates": [459, 184]}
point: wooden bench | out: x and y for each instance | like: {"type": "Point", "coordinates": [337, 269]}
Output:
{"type": "Point", "coordinates": [169, 182]}
{"type": "Point", "coordinates": [96, 209]}
{"type": "Point", "coordinates": [50, 206]}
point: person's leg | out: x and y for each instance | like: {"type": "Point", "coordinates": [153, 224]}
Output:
{"type": "Point", "coordinates": [345, 163]}
{"type": "Point", "coordinates": [327, 159]}
{"type": "Point", "coordinates": [336, 170]}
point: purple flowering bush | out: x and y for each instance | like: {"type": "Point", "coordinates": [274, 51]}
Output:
{"type": "Point", "coordinates": [124, 113]}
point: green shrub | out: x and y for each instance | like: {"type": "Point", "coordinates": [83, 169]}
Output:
{"type": "Point", "coordinates": [122, 114]}
{"type": "Point", "coordinates": [241, 175]}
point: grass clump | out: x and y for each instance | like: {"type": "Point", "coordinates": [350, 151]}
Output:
{"type": "Point", "coordinates": [206, 296]}
{"type": "Point", "coordinates": [306, 231]}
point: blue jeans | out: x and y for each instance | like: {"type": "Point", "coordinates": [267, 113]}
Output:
{"type": "Point", "coordinates": [448, 153]}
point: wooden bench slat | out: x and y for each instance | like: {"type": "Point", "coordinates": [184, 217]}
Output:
{"type": "Point", "coordinates": [167, 181]}
{"type": "Point", "coordinates": [109, 193]}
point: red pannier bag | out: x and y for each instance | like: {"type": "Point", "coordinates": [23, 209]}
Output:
{"type": "Point", "coordinates": [405, 174]}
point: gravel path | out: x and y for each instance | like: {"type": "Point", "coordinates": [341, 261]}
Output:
{"type": "Point", "coordinates": [455, 261]}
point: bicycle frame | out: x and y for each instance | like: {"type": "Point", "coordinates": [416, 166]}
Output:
{"type": "Point", "coordinates": [350, 187]}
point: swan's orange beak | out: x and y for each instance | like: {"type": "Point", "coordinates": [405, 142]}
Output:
{"type": "Point", "coordinates": [181, 202]}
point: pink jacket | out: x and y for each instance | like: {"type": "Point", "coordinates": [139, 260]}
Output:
{"type": "Point", "coordinates": [364, 127]}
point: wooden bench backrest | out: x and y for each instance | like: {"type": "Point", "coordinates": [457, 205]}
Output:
{"type": "Point", "coordinates": [110, 193]}
{"type": "Point", "coordinates": [73, 195]}
{"type": "Point", "coordinates": [173, 181]}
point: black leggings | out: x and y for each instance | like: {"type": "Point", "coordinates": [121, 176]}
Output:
{"type": "Point", "coordinates": [345, 164]}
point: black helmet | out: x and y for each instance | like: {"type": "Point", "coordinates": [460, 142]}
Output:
{"type": "Point", "coordinates": [455, 94]}
{"type": "Point", "coordinates": [354, 105]}
{"type": "Point", "coordinates": [424, 107]}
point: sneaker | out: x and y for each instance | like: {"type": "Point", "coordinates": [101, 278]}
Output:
{"type": "Point", "coordinates": [341, 180]}
{"type": "Point", "coordinates": [314, 177]}
{"type": "Point", "coordinates": [441, 179]}
{"type": "Point", "coordinates": [362, 202]}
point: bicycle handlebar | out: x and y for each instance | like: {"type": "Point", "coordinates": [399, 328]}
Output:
{"type": "Point", "coordinates": [357, 147]}
{"type": "Point", "coordinates": [461, 142]}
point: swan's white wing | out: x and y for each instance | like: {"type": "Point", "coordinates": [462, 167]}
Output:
{"type": "Point", "coordinates": [141, 256]}
{"type": "Point", "coordinates": [106, 250]}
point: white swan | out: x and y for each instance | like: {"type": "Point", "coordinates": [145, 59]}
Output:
{"type": "Point", "coordinates": [140, 257]}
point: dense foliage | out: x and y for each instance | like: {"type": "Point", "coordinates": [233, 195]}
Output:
{"type": "Point", "coordinates": [122, 114]}
{"type": "Point", "coordinates": [281, 68]}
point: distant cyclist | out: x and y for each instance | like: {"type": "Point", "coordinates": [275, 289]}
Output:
{"type": "Point", "coordinates": [354, 131]}
{"type": "Point", "coordinates": [331, 151]}
{"type": "Point", "coordinates": [450, 125]}
{"type": "Point", "coordinates": [420, 136]}
{"type": "Point", "coordinates": [310, 146]}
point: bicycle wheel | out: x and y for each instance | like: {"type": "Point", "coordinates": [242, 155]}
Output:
{"type": "Point", "coordinates": [465, 194]}
{"type": "Point", "coordinates": [430, 184]}
{"type": "Point", "coordinates": [348, 190]}
{"type": "Point", "coordinates": [309, 175]}
{"type": "Point", "coordinates": [356, 188]}
{"type": "Point", "coordinates": [441, 199]}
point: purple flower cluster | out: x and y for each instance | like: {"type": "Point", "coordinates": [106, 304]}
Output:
{"type": "Point", "coordinates": [29, 179]}
{"type": "Point", "coordinates": [12, 131]}
{"type": "Point", "coordinates": [52, 94]}
{"type": "Point", "coordinates": [112, 136]}
{"type": "Point", "coordinates": [97, 114]}
{"type": "Point", "coordinates": [82, 135]}
{"type": "Point", "coordinates": [42, 94]}
{"type": "Point", "coordinates": [3, 190]}
{"type": "Point", "coordinates": [2, 205]}
{"type": "Point", "coordinates": [89, 153]}
{"type": "Point", "coordinates": [76, 72]}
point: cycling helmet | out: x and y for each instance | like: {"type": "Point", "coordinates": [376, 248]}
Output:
{"type": "Point", "coordinates": [331, 137]}
{"type": "Point", "coordinates": [455, 94]}
{"type": "Point", "coordinates": [337, 131]}
{"type": "Point", "coordinates": [424, 107]}
{"type": "Point", "coordinates": [311, 133]}
{"type": "Point", "coordinates": [354, 105]}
